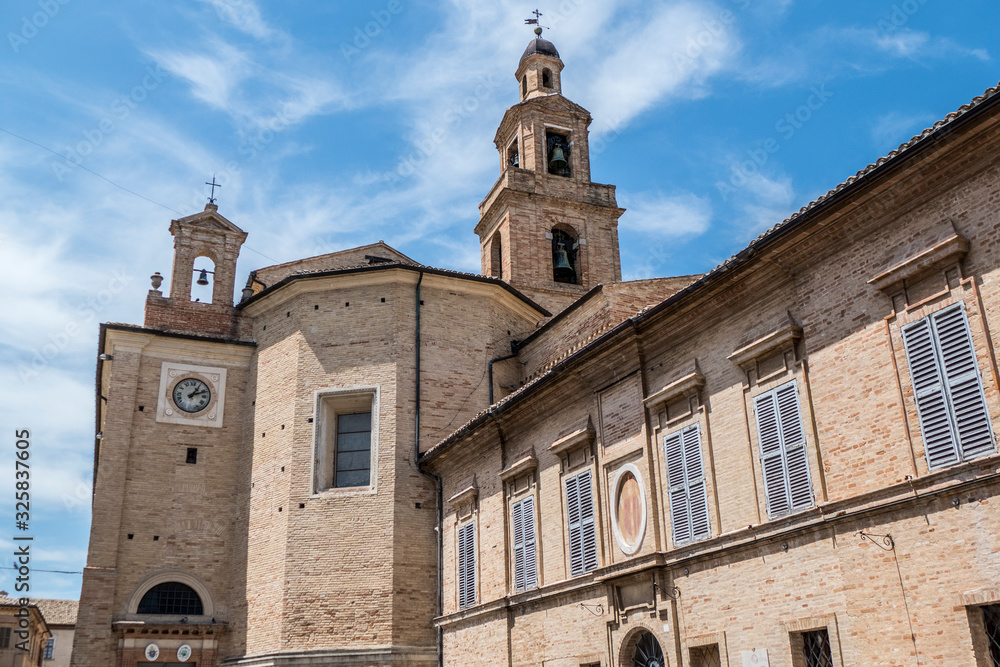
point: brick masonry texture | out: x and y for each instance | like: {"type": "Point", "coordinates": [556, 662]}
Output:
{"type": "Point", "coordinates": [892, 559]}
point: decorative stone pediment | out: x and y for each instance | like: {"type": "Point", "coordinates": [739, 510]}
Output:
{"type": "Point", "coordinates": [940, 248]}
{"type": "Point", "coordinates": [583, 434]}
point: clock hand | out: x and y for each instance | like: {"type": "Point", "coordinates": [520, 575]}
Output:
{"type": "Point", "coordinates": [195, 393]}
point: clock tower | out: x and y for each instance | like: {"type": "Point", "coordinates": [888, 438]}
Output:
{"type": "Point", "coordinates": [545, 227]}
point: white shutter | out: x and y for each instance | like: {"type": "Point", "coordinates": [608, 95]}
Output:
{"type": "Point", "coordinates": [680, 516]}
{"type": "Point", "coordinates": [525, 565]}
{"type": "Point", "coordinates": [589, 534]}
{"type": "Point", "coordinates": [580, 513]}
{"type": "Point", "coordinates": [686, 486]}
{"type": "Point", "coordinates": [784, 462]}
{"type": "Point", "coordinates": [928, 391]}
{"type": "Point", "coordinates": [965, 390]}
{"type": "Point", "coordinates": [694, 471]}
{"type": "Point", "coordinates": [954, 421]}
{"type": "Point", "coordinates": [467, 565]}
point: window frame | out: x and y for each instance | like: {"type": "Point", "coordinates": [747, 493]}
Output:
{"type": "Point", "coordinates": [5, 634]}
{"type": "Point", "coordinates": [329, 405]}
{"type": "Point", "coordinates": [925, 331]}
{"type": "Point", "coordinates": [49, 650]}
{"type": "Point", "coordinates": [781, 451]}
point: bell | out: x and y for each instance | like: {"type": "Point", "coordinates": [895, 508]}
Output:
{"type": "Point", "coordinates": [203, 278]}
{"type": "Point", "coordinates": [558, 160]}
{"type": "Point", "coordinates": [563, 270]}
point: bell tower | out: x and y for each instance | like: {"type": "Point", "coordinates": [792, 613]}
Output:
{"type": "Point", "coordinates": [545, 227]}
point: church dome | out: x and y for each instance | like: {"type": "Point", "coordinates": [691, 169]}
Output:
{"type": "Point", "coordinates": [540, 46]}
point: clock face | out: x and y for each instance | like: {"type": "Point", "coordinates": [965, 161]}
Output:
{"type": "Point", "coordinates": [191, 395]}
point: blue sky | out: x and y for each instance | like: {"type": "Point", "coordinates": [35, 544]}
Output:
{"type": "Point", "coordinates": [323, 121]}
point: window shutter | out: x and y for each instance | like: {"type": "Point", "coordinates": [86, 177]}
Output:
{"type": "Point", "coordinates": [954, 421]}
{"type": "Point", "coordinates": [582, 535]}
{"type": "Point", "coordinates": [771, 456]}
{"type": "Point", "coordinates": [680, 517]}
{"type": "Point", "coordinates": [525, 565]}
{"type": "Point", "coordinates": [587, 522]}
{"type": "Point", "coordinates": [928, 391]}
{"type": "Point", "coordinates": [467, 565]}
{"type": "Point", "coordinates": [784, 461]}
{"type": "Point", "coordinates": [694, 471]}
{"type": "Point", "coordinates": [961, 372]}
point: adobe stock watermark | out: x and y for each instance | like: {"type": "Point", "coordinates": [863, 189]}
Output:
{"type": "Point", "coordinates": [87, 311]}
{"type": "Point", "coordinates": [48, 10]}
{"type": "Point", "coordinates": [899, 16]}
{"type": "Point", "coordinates": [363, 35]}
{"type": "Point", "coordinates": [429, 143]}
{"type": "Point", "coordinates": [121, 108]}
{"type": "Point", "coordinates": [786, 127]}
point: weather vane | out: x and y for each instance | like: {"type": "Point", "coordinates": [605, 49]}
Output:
{"type": "Point", "coordinates": [534, 22]}
{"type": "Point", "coordinates": [211, 197]}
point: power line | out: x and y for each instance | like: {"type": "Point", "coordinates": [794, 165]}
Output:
{"type": "Point", "coordinates": [120, 187]}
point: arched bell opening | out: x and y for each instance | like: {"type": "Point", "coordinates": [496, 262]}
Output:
{"type": "Point", "coordinates": [546, 78]}
{"type": "Point", "coordinates": [203, 279]}
{"type": "Point", "coordinates": [564, 256]}
{"type": "Point", "coordinates": [557, 151]}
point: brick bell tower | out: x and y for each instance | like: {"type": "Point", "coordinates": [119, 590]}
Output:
{"type": "Point", "coordinates": [545, 227]}
{"type": "Point", "coordinates": [206, 247]}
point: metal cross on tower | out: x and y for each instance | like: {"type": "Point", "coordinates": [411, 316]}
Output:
{"type": "Point", "coordinates": [211, 197]}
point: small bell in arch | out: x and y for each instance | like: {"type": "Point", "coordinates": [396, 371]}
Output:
{"type": "Point", "coordinates": [557, 162]}
{"type": "Point", "coordinates": [203, 278]}
{"type": "Point", "coordinates": [563, 271]}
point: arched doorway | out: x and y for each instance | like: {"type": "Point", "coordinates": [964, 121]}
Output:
{"type": "Point", "coordinates": [647, 652]}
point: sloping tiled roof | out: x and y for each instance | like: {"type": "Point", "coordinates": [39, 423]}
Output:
{"type": "Point", "coordinates": [58, 612]}
{"type": "Point", "coordinates": [938, 129]}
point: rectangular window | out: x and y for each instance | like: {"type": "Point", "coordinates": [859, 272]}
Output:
{"type": "Point", "coordinates": [50, 648]}
{"type": "Point", "coordinates": [354, 449]}
{"type": "Point", "coordinates": [816, 648]}
{"type": "Point", "coordinates": [467, 565]}
{"type": "Point", "coordinates": [686, 487]}
{"type": "Point", "coordinates": [991, 623]}
{"type": "Point", "coordinates": [706, 656]}
{"type": "Point", "coordinates": [783, 458]}
{"type": "Point", "coordinates": [344, 440]}
{"type": "Point", "coordinates": [4, 637]}
{"type": "Point", "coordinates": [525, 559]}
{"type": "Point", "coordinates": [582, 534]}
{"type": "Point", "coordinates": [954, 422]}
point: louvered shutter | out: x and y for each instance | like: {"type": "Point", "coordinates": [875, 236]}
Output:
{"type": "Point", "coordinates": [525, 565]}
{"type": "Point", "coordinates": [694, 471]}
{"type": "Point", "coordinates": [582, 535]}
{"type": "Point", "coordinates": [467, 565]}
{"type": "Point", "coordinates": [784, 462]}
{"type": "Point", "coordinates": [951, 407]}
{"type": "Point", "coordinates": [680, 516]}
{"type": "Point", "coordinates": [588, 530]}
{"type": "Point", "coordinates": [686, 486]}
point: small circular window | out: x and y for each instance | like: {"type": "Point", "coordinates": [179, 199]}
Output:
{"type": "Point", "coordinates": [629, 510]}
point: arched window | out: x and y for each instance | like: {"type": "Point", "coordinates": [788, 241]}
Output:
{"type": "Point", "coordinates": [203, 279]}
{"type": "Point", "coordinates": [524, 86]}
{"type": "Point", "coordinates": [564, 257]}
{"type": "Point", "coordinates": [496, 256]}
{"type": "Point", "coordinates": [171, 597]}
{"type": "Point", "coordinates": [546, 78]}
{"type": "Point", "coordinates": [647, 652]}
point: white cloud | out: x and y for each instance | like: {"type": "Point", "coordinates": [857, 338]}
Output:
{"type": "Point", "coordinates": [670, 216]}
{"type": "Point", "coordinates": [913, 44]}
{"type": "Point", "coordinates": [894, 128]}
{"type": "Point", "coordinates": [245, 16]}
{"type": "Point", "coordinates": [213, 76]}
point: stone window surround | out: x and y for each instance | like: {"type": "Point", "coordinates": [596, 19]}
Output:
{"type": "Point", "coordinates": [163, 577]}
{"type": "Point", "coordinates": [615, 488]}
{"type": "Point", "coordinates": [809, 624]}
{"type": "Point", "coordinates": [325, 399]}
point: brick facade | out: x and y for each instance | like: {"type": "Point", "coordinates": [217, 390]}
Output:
{"type": "Point", "coordinates": [888, 558]}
